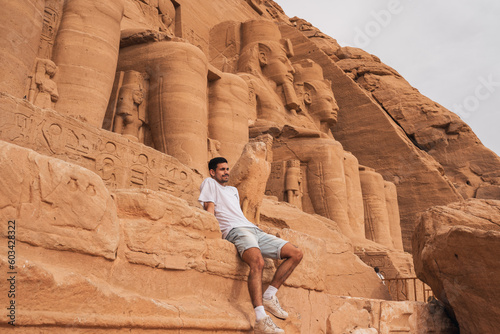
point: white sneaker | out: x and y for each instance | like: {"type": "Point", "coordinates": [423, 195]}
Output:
{"type": "Point", "coordinates": [266, 326]}
{"type": "Point", "coordinates": [273, 306]}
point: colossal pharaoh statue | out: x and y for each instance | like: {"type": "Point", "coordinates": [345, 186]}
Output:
{"type": "Point", "coordinates": [296, 105]}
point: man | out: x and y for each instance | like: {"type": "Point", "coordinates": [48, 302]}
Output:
{"type": "Point", "coordinates": [252, 243]}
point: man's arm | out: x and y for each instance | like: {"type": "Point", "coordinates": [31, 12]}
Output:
{"type": "Point", "coordinates": [210, 207]}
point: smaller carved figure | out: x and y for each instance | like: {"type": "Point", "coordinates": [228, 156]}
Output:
{"type": "Point", "coordinates": [293, 183]}
{"type": "Point", "coordinates": [129, 118]}
{"type": "Point", "coordinates": [43, 90]}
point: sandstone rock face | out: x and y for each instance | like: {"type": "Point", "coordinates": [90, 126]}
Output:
{"type": "Point", "coordinates": [431, 127]}
{"type": "Point", "coordinates": [455, 252]}
{"type": "Point", "coordinates": [56, 205]}
{"type": "Point", "coordinates": [354, 315]}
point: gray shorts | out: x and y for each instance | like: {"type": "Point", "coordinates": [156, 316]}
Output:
{"type": "Point", "coordinates": [248, 237]}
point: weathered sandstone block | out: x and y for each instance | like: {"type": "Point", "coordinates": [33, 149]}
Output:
{"type": "Point", "coordinates": [455, 250]}
{"type": "Point", "coordinates": [55, 204]}
{"type": "Point", "coordinates": [250, 174]}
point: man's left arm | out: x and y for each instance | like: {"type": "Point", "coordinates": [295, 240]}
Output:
{"type": "Point", "coordinates": [210, 207]}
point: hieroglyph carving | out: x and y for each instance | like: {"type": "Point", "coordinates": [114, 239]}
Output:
{"type": "Point", "coordinates": [120, 162]}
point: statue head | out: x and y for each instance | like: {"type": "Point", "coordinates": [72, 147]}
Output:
{"type": "Point", "coordinates": [131, 92]}
{"type": "Point", "coordinates": [318, 96]}
{"type": "Point", "coordinates": [50, 68]}
{"type": "Point", "coordinates": [317, 92]}
{"type": "Point", "coordinates": [264, 52]}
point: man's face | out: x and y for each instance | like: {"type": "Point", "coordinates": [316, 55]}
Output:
{"type": "Point", "coordinates": [221, 173]}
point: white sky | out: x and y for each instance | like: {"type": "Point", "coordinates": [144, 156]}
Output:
{"type": "Point", "coordinates": [448, 49]}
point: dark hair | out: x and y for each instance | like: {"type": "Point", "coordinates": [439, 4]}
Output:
{"type": "Point", "coordinates": [376, 269]}
{"type": "Point", "coordinates": [212, 164]}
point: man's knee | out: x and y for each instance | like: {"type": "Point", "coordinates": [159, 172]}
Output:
{"type": "Point", "coordinates": [292, 252]}
{"type": "Point", "coordinates": [253, 257]}
{"type": "Point", "coordinates": [297, 255]}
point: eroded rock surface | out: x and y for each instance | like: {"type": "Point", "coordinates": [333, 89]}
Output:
{"type": "Point", "coordinates": [430, 126]}
{"type": "Point", "coordinates": [456, 251]}
{"type": "Point", "coordinates": [55, 204]}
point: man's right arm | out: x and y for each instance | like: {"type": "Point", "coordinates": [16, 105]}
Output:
{"type": "Point", "coordinates": [210, 207]}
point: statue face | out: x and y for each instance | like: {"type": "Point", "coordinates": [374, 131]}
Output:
{"type": "Point", "coordinates": [128, 96]}
{"type": "Point", "coordinates": [138, 96]}
{"type": "Point", "coordinates": [323, 106]}
{"type": "Point", "coordinates": [276, 65]}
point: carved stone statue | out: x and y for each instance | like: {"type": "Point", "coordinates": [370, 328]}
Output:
{"type": "Point", "coordinates": [129, 116]}
{"type": "Point", "coordinates": [355, 207]}
{"type": "Point", "coordinates": [377, 225]}
{"type": "Point", "coordinates": [43, 90]}
{"type": "Point", "coordinates": [265, 66]}
{"type": "Point", "coordinates": [262, 58]}
{"type": "Point", "coordinates": [250, 174]}
{"type": "Point", "coordinates": [228, 112]}
{"type": "Point", "coordinates": [86, 52]}
{"type": "Point", "coordinates": [177, 98]}
{"type": "Point", "coordinates": [391, 201]}
{"type": "Point", "coordinates": [293, 183]}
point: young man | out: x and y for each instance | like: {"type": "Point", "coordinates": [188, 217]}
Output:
{"type": "Point", "coordinates": [252, 243]}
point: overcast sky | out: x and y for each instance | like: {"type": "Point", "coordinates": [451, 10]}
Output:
{"type": "Point", "coordinates": [448, 49]}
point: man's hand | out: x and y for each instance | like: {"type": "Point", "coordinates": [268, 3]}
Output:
{"type": "Point", "coordinates": [210, 207]}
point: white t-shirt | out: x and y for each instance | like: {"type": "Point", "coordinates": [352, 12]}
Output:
{"type": "Point", "coordinates": [227, 205]}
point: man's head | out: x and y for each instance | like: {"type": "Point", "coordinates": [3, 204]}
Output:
{"type": "Point", "coordinates": [219, 170]}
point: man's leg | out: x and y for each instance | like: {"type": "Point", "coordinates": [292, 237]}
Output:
{"type": "Point", "coordinates": [292, 256]}
{"type": "Point", "coordinates": [255, 261]}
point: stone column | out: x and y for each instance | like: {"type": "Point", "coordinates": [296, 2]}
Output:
{"type": "Point", "coordinates": [391, 200]}
{"type": "Point", "coordinates": [177, 104]}
{"type": "Point", "coordinates": [228, 114]}
{"type": "Point", "coordinates": [86, 52]}
{"type": "Point", "coordinates": [21, 24]}
{"type": "Point", "coordinates": [376, 215]}
{"type": "Point", "coordinates": [355, 209]}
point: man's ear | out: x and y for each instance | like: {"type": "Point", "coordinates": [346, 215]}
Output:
{"type": "Point", "coordinates": [211, 172]}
